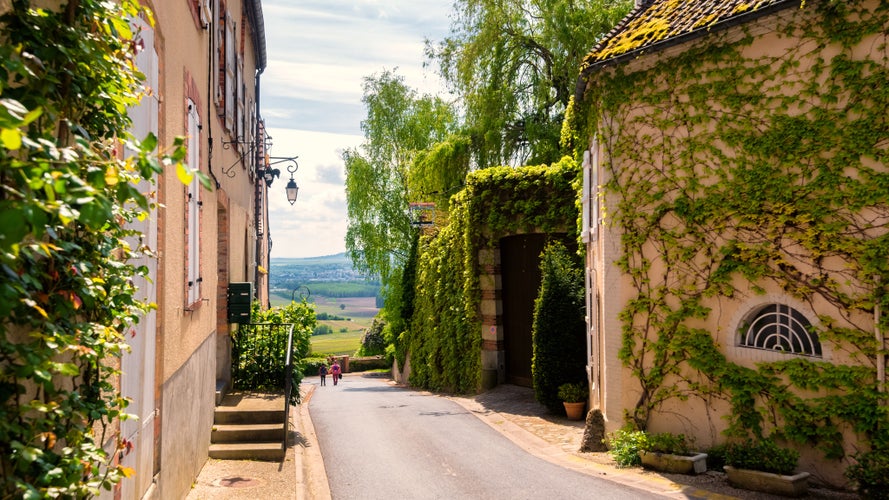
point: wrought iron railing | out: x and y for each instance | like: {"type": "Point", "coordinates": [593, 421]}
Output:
{"type": "Point", "coordinates": [262, 360]}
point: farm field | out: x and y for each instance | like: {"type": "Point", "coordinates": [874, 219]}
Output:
{"type": "Point", "coordinates": [359, 312]}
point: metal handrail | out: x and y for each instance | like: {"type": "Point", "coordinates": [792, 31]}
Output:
{"type": "Point", "coordinates": [288, 385]}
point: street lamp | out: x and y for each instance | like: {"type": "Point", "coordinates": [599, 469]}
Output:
{"type": "Point", "coordinates": [269, 174]}
{"type": "Point", "coordinates": [291, 188]}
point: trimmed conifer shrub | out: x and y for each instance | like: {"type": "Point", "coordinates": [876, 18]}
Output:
{"type": "Point", "coordinates": [559, 327]}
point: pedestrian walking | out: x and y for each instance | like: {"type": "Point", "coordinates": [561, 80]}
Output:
{"type": "Point", "coordinates": [322, 372]}
{"type": "Point", "coordinates": [336, 371]}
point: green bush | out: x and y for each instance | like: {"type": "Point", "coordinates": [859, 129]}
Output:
{"type": "Point", "coordinates": [259, 350]}
{"type": "Point", "coordinates": [871, 474]}
{"type": "Point", "coordinates": [716, 457]}
{"type": "Point", "coordinates": [764, 455]}
{"type": "Point", "coordinates": [369, 363]}
{"type": "Point", "coordinates": [666, 442]}
{"type": "Point", "coordinates": [625, 445]}
{"type": "Point", "coordinates": [573, 393]}
{"type": "Point", "coordinates": [322, 330]}
{"type": "Point", "coordinates": [559, 327]}
{"type": "Point", "coordinates": [372, 341]}
{"type": "Point", "coordinates": [309, 366]}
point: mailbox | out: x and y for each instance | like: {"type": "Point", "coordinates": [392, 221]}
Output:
{"type": "Point", "coordinates": [240, 298]}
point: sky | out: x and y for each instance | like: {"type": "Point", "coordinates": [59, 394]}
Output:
{"type": "Point", "coordinates": [319, 52]}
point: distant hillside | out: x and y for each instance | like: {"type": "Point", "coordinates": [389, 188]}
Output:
{"type": "Point", "coordinates": [339, 258]}
{"type": "Point", "coordinates": [329, 276]}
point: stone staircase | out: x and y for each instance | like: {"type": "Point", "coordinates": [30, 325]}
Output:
{"type": "Point", "coordinates": [249, 426]}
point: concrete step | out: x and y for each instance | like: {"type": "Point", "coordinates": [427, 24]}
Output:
{"type": "Point", "coordinates": [234, 415]}
{"type": "Point", "coordinates": [247, 433]}
{"type": "Point", "coordinates": [248, 451]}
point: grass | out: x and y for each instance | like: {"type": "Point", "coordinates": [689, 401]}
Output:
{"type": "Point", "coordinates": [360, 312]}
{"type": "Point", "coordinates": [336, 343]}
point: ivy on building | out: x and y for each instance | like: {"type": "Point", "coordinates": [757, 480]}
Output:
{"type": "Point", "coordinates": [732, 169]}
{"type": "Point", "coordinates": [444, 335]}
{"type": "Point", "coordinates": [67, 295]}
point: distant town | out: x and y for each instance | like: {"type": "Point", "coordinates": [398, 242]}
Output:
{"type": "Point", "coordinates": [327, 276]}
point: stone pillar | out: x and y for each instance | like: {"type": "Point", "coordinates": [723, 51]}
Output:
{"type": "Point", "coordinates": [491, 309]}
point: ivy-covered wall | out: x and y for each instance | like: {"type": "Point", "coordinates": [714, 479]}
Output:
{"type": "Point", "coordinates": [444, 340]}
{"type": "Point", "coordinates": [749, 165]}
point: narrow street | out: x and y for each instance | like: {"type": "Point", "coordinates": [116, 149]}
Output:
{"type": "Point", "coordinates": [381, 441]}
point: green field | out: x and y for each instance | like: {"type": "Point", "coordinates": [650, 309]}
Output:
{"type": "Point", "coordinates": [359, 312]}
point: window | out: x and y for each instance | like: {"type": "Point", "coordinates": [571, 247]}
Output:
{"type": "Point", "coordinates": [231, 68]}
{"type": "Point", "coordinates": [779, 327]}
{"type": "Point", "coordinates": [193, 208]}
{"type": "Point", "coordinates": [590, 196]}
{"type": "Point", "coordinates": [219, 60]}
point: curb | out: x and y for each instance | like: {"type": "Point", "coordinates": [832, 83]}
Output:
{"type": "Point", "coordinates": [311, 476]}
{"type": "Point", "coordinates": [544, 450]}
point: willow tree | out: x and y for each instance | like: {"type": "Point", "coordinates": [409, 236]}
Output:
{"type": "Point", "coordinates": [514, 64]}
{"type": "Point", "coordinates": [400, 124]}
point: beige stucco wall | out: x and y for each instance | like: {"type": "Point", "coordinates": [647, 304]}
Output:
{"type": "Point", "coordinates": [611, 290]}
{"type": "Point", "coordinates": [188, 355]}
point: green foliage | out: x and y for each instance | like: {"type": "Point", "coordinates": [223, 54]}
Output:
{"type": "Point", "coordinates": [259, 350]}
{"type": "Point", "coordinates": [624, 446]}
{"type": "Point", "coordinates": [762, 175]}
{"type": "Point", "coordinates": [559, 327]}
{"type": "Point", "coordinates": [323, 316]}
{"type": "Point", "coordinates": [310, 365]}
{"type": "Point", "coordinates": [372, 341]}
{"type": "Point", "coordinates": [514, 65]}
{"type": "Point", "coordinates": [573, 392]}
{"type": "Point", "coordinates": [399, 124]}
{"type": "Point", "coordinates": [869, 474]}
{"type": "Point", "coordinates": [444, 338]}
{"type": "Point", "coordinates": [666, 442]}
{"type": "Point", "coordinates": [67, 279]}
{"type": "Point", "coordinates": [716, 457]}
{"type": "Point", "coordinates": [322, 329]}
{"type": "Point", "coordinates": [762, 455]}
{"type": "Point", "coordinates": [400, 307]}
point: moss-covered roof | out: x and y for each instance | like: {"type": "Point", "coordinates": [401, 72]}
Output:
{"type": "Point", "coordinates": [656, 24]}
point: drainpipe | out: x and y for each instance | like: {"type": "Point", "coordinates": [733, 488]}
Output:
{"type": "Point", "coordinates": [210, 28]}
{"type": "Point", "coordinates": [261, 188]}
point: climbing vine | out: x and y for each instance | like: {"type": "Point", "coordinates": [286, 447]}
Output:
{"type": "Point", "coordinates": [444, 338]}
{"type": "Point", "coordinates": [67, 294]}
{"type": "Point", "coordinates": [734, 171]}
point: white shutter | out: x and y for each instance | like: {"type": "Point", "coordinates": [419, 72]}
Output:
{"type": "Point", "coordinates": [193, 207]}
{"type": "Point", "coordinates": [231, 91]}
{"type": "Point", "coordinates": [137, 379]}
{"type": "Point", "coordinates": [218, 62]}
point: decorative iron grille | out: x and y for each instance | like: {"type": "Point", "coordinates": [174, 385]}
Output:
{"type": "Point", "coordinates": [778, 327]}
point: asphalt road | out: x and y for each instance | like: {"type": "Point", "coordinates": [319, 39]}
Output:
{"type": "Point", "coordinates": [384, 442]}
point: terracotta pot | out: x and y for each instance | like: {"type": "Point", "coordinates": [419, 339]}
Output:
{"type": "Point", "coordinates": [574, 410]}
{"type": "Point", "coordinates": [767, 482]}
{"type": "Point", "coordinates": [677, 464]}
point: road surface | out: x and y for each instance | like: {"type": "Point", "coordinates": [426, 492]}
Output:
{"type": "Point", "coordinates": [379, 441]}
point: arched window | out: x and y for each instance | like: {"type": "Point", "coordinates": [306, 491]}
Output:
{"type": "Point", "coordinates": [778, 327]}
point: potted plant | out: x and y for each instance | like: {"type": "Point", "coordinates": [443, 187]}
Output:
{"type": "Point", "coordinates": [666, 452]}
{"type": "Point", "coordinates": [765, 466]}
{"type": "Point", "coordinates": [574, 396]}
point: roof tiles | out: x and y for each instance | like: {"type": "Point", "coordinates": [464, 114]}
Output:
{"type": "Point", "coordinates": [656, 23]}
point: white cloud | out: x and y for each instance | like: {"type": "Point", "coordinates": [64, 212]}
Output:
{"type": "Point", "coordinates": [316, 224]}
{"type": "Point", "coordinates": [319, 52]}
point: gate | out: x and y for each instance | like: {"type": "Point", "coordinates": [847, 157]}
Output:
{"type": "Point", "coordinates": [520, 271]}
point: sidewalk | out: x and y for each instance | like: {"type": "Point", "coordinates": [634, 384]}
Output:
{"type": "Point", "coordinates": [508, 409]}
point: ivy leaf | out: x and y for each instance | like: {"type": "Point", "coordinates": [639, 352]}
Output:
{"type": "Point", "coordinates": [149, 143]}
{"type": "Point", "coordinates": [11, 138]}
{"type": "Point", "coordinates": [185, 175]}
{"type": "Point", "coordinates": [14, 228]}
